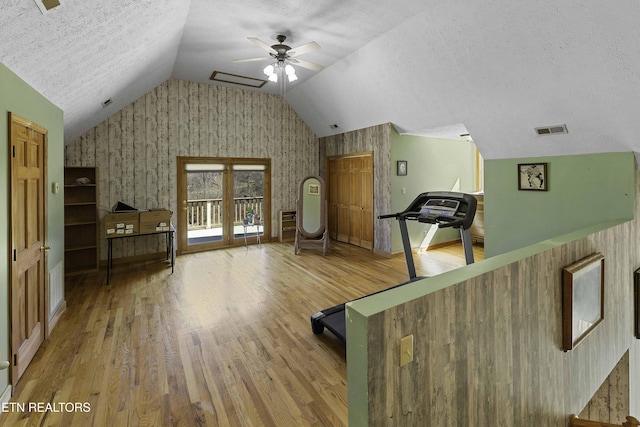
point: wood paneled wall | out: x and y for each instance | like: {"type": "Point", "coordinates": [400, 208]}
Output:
{"type": "Point", "coordinates": [136, 148]}
{"type": "Point", "coordinates": [378, 140]}
{"type": "Point", "coordinates": [610, 403]}
{"type": "Point", "coordinates": [488, 350]}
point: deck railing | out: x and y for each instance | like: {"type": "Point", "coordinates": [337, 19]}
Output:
{"type": "Point", "coordinates": [208, 213]}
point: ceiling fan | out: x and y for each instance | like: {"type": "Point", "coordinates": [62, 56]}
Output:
{"type": "Point", "coordinates": [284, 56]}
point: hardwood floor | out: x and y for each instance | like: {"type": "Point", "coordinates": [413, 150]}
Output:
{"type": "Point", "coordinates": [224, 341]}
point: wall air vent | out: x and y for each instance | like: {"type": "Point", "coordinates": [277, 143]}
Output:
{"type": "Point", "coordinates": [47, 5]}
{"type": "Point", "coordinates": [551, 130]}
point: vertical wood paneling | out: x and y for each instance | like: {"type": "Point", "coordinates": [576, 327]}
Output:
{"type": "Point", "coordinates": [193, 122]}
{"type": "Point", "coordinates": [136, 149]}
{"type": "Point", "coordinates": [126, 136]}
{"type": "Point", "coordinates": [170, 87]}
{"type": "Point", "coordinates": [488, 350]}
{"type": "Point", "coordinates": [138, 197]}
{"type": "Point", "coordinates": [376, 139]}
{"type": "Point", "coordinates": [153, 173]}
{"type": "Point", "coordinates": [164, 194]}
{"type": "Point", "coordinates": [205, 125]}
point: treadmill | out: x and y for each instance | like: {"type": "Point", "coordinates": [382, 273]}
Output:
{"type": "Point", "coordinates": [447, 210]}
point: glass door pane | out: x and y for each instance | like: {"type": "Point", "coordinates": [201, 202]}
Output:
{"type": "Point", "coordinates": [205, 213]}
{"type": "Point", "coordinates": [248, 201]}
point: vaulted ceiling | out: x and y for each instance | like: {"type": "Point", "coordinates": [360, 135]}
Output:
{"type": "Point", "coordinates": [494, 69]}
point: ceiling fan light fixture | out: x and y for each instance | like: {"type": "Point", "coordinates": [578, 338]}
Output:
{"type": "Point", "coordinates": [270, 72]}
{"type": "Point", "coordinates": [291, 73]}
{"type": "Point", "coordinates": [283, 55]}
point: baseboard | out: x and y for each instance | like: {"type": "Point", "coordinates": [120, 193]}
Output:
{"type": "Point", "coordinates": [382, 253]}
{"type": "Point", "coordinates": [441, 245]}
{"type": "Point", "coordinates": [56, 316]}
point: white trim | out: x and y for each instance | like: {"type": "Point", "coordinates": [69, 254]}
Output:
{"type": "Point", "coordinates": [6, 396]}
{"type": "Point", "coordinates": [44, 9]}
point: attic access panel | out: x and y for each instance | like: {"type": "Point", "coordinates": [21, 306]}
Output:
{"type": "Point", "coordinates": [219, 76]}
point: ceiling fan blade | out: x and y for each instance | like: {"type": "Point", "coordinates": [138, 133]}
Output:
{"type": "Point", "coordinates": [264, 58]}
{"type": "Point", "coordinates": [306, 64]}
{"type": "Point", "coordinates": [263, 45]}
{"type": "Point", "coordinates": [305, 48]}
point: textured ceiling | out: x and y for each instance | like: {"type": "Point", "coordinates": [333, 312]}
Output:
{"type": "Point", "coordinates": [495, 69]}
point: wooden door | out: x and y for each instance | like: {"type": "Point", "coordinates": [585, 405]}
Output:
{"type": "Point", "coordinates": [350, 198]}
{"type": "Point", "coordinates": [366, 202]}
{"type": "Point", "coordinates": [342, 177]}
{"type": "Point", "coordinates": [28, 266]}
{"type": "Point", "coordinates": [355, 200]}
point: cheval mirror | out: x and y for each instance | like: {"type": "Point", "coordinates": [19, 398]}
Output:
{"type": "Point", "coordinates": [311, 215]}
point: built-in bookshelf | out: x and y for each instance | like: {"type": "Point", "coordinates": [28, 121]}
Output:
{"type": "Point", "coordinates": [287, 230]}
{"type": "Point", "coordinates": [81, 221]}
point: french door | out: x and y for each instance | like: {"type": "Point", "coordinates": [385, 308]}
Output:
{"type": "Point", "coordinates": [222, 202]}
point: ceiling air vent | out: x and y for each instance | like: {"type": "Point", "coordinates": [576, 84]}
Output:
{"type": "Point", "coordinates": [107, 103]}
{"type": "Point", "coordinates": [551, 130]}
{"type": "Point", "coordinates": [46, 5]}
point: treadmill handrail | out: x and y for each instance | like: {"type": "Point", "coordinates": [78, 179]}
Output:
{"type": "Point", "coordinates": [395, 215]}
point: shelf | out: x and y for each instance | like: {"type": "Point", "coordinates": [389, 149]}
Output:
{"type": "Point", "coordinates": [81, 222]}
{"type": "Point", "coordinates": [73, 224]}
{"type": "Point", "coordinates": [80, 204]}
{"type": "Point", "coordinates": [287, 225]}
{"type": "Point", "coordinates": [79, 248]}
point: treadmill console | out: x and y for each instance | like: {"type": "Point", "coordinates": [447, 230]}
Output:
{"type": "Point", "coordinates": [446, 207]}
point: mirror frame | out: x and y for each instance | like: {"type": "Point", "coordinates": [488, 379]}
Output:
{"type": "Point", "coordinates": [300, 208]}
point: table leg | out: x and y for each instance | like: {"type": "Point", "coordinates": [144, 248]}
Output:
{"type": "Point", "coordinates": [167, 236]}
{"type": "Point", "coordinates": [109, 257]}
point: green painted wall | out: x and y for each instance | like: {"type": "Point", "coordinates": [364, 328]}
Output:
{"type": "Point", "coordinates": [19, 98]}
{"type": "Point", "coordinates": [583, 190]}
{"type": "Point", "coordinates": [433, 165]}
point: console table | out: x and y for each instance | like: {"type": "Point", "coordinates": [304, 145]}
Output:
{"type": "Point", "coordinates": [168, 237]}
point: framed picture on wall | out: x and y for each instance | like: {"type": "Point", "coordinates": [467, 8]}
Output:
{"type": "Point", "coordinates": [402, 167]}
{"type": "Point", "coordinates": [532, 176]}
{"type": "Point", "coordinates": [582, 299]}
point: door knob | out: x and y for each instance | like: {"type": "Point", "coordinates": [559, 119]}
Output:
{"type": "Point", "coordinates": [45, 248]}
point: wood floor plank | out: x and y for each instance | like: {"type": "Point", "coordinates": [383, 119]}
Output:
{"type": "Point", "coordinates": [224, 341]}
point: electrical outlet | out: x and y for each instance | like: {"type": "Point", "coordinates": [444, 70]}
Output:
{"type": "Point", "coordinates": [406, 350]}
